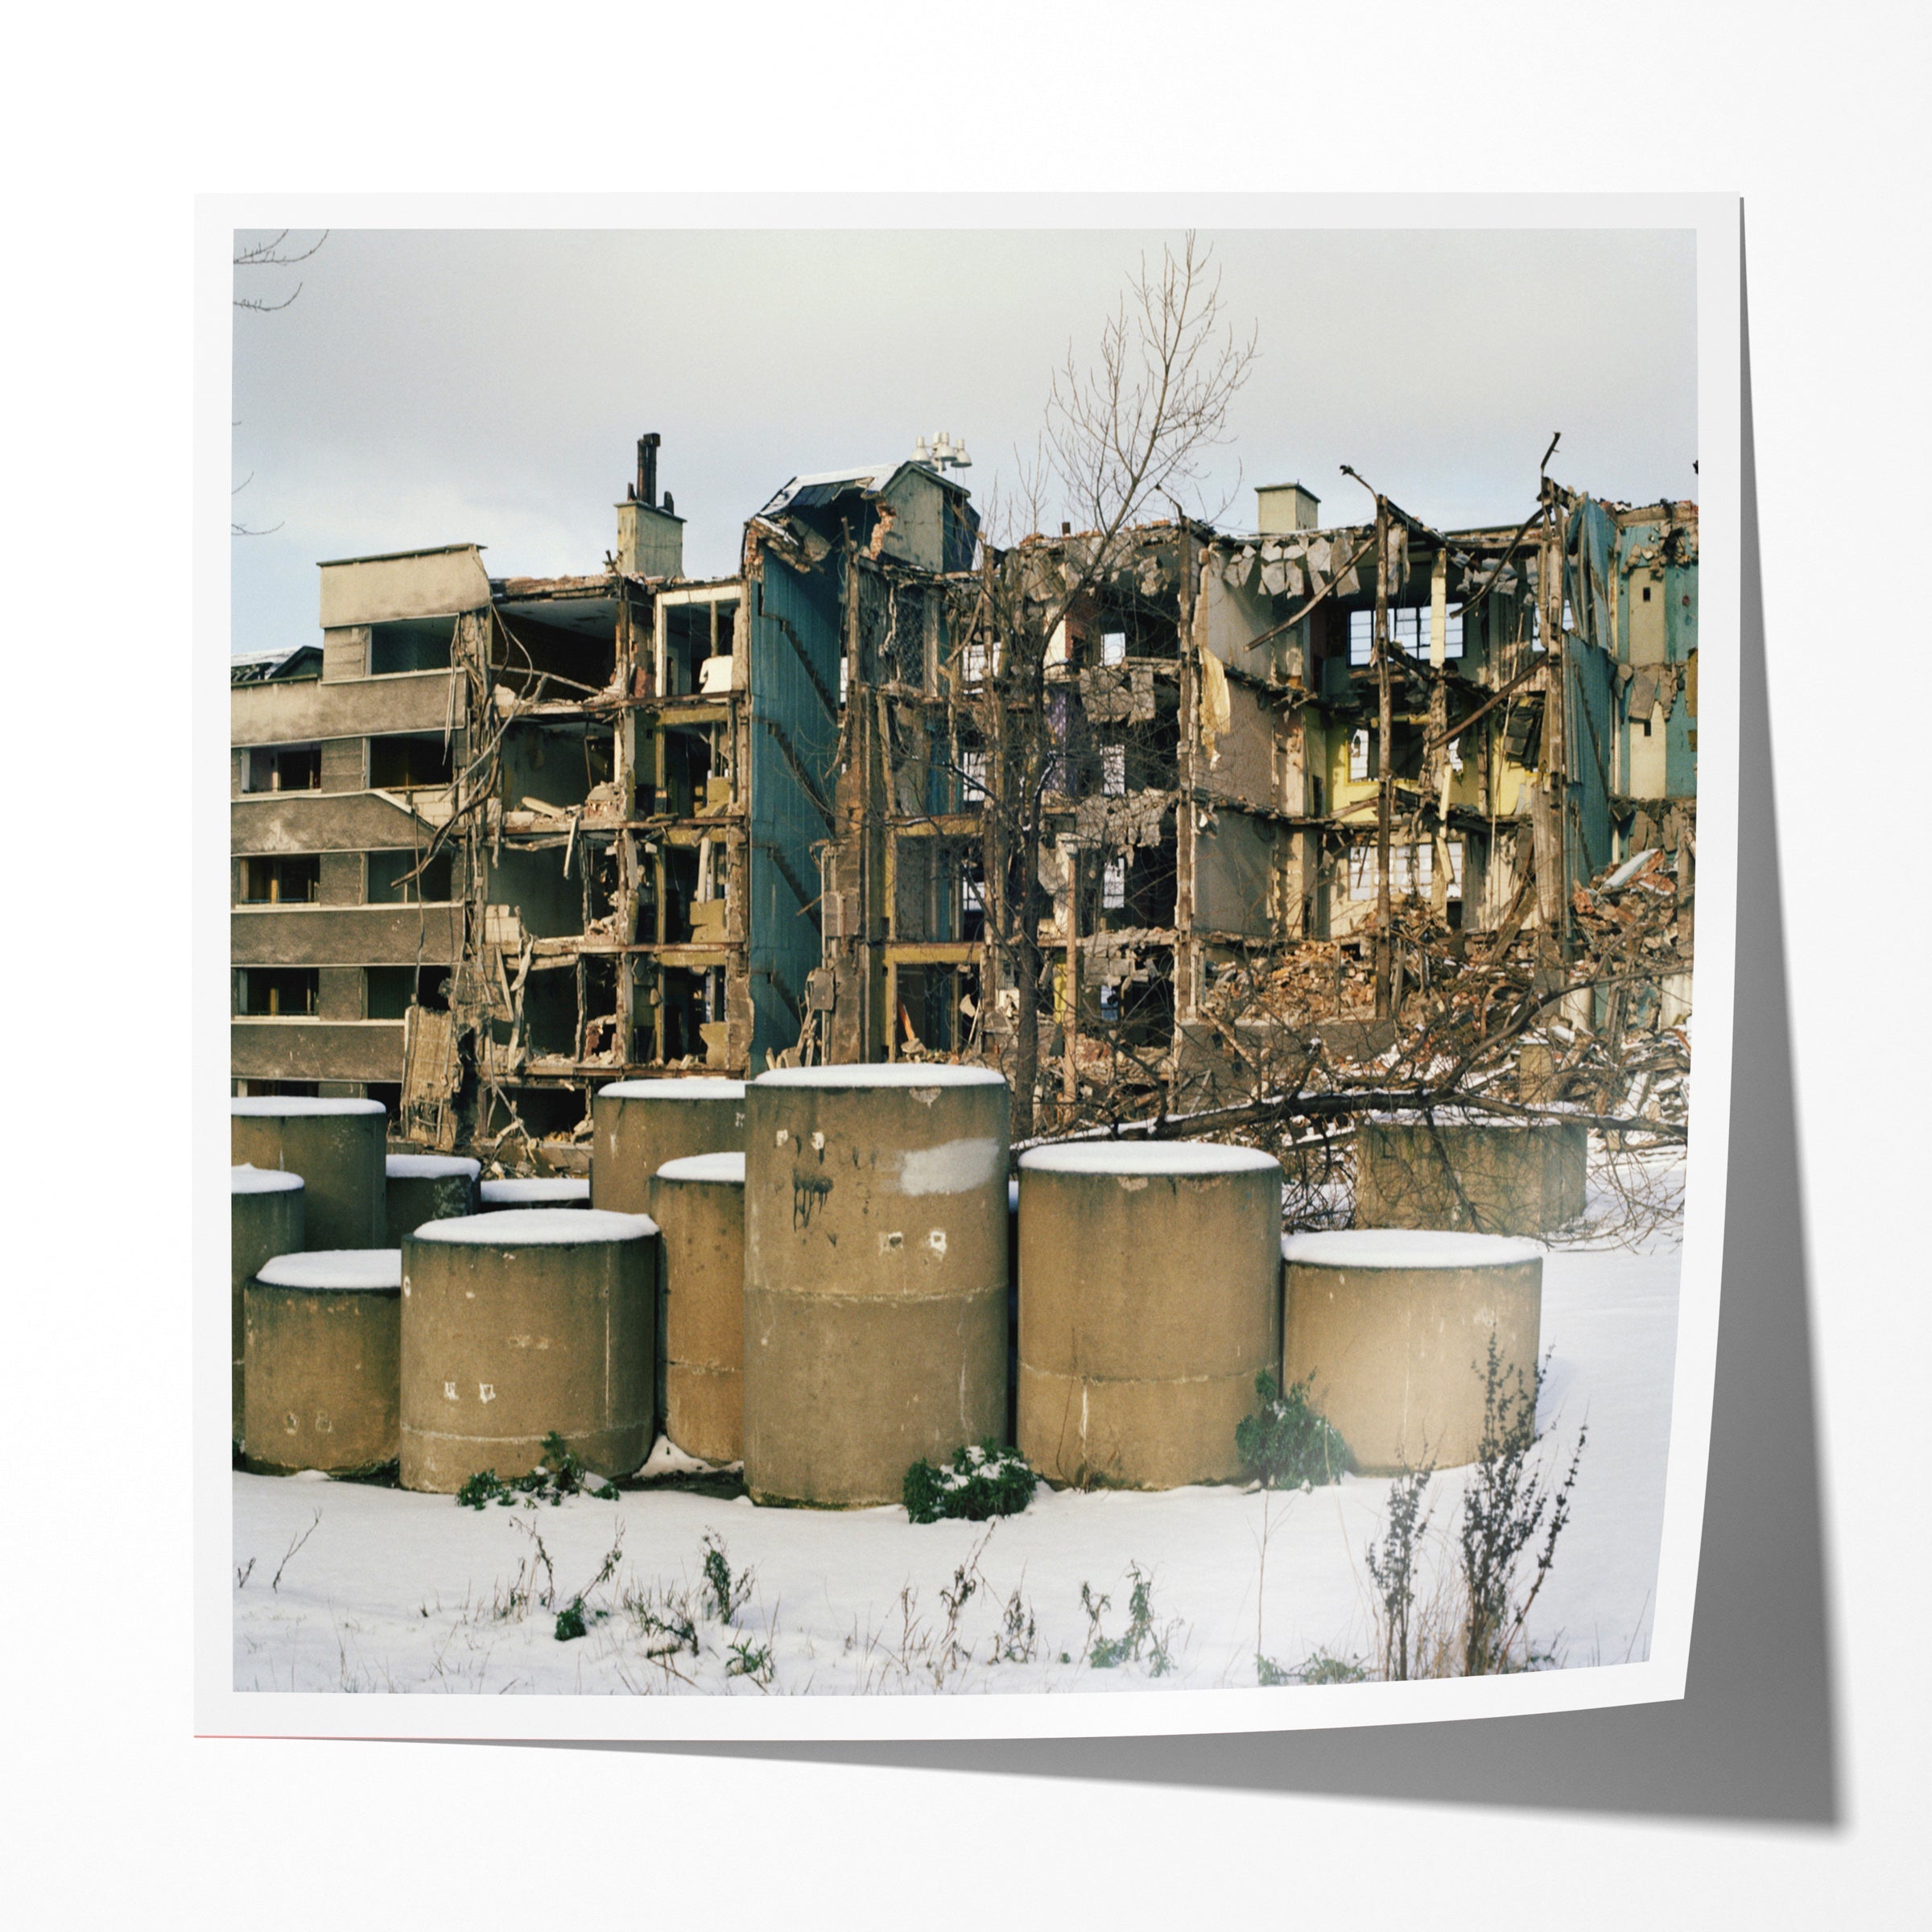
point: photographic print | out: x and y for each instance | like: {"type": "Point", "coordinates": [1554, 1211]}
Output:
{"type": "Point", "coordinates": [964, 945]}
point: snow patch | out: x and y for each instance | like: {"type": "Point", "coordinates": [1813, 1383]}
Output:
{"type": "Point", "coordinates": [694, 1089]}
{"type": "Point", "coordinates": [335, 1269]}
{"type": "Point", "coordinates": [280, 1106]}
{"type": "Point", "coordinates": [1178, 1157]}
{"type": "Point", "coordinates": [543, 1189]}
{"type": "Point", "coordinates": [539, 1227]}
{"type": "Point", "coordinates": [249, 1179]}
{"type": "Point", "coordinates": [952, 1167]}
{"type": "Point", "coordinates": [728, 1170]}
{"type": "Point", "coordinates": [900, 1074]}
{"type": "Point", "coordinates": [1407, 1248]}
{"type": "Point", "coordinates": [430, 1166]}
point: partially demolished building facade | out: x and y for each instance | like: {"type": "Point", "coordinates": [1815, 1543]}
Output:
{"type": "Point", "coordinates": [498, 840]}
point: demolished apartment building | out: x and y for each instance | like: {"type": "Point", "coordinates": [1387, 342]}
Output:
{"type": "Point", "coordinates": [498, 840]}
{"type": "Point", "coordinates": [1213, 703]}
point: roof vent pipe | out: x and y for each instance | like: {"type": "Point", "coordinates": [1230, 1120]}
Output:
{"type": "Point", "coordinates": [647, 468]}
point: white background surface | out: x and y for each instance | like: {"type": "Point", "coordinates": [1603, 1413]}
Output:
{"type": "Point", "coordinates": [118, 1815]}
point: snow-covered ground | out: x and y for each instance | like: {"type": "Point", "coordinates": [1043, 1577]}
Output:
{"type": "Point", "coordinates": [393, 1591]}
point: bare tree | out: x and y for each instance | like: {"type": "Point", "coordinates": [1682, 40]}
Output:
{"type": "Point", "coordinates": [272, 254]}
{"type": "Point", "coordinates": [1122, 437]}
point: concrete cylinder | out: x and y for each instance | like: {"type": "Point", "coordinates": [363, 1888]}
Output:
{"type": "Point", "coordinates": [1393, 1326]}
{"type": "Point", "coordinates": [1482, 1177]}
{"type": "Point", "coordinates": [514, 1325]}
{"type": "Point", "coordinates": [322, 1368]}
{"type": "Point", "coordinates": [875, 1276]}
{"type": "Point", "coordinates": [336, 1147]}
{"type": "Point", "coordinates": [699, 1205]}
{"type": "Point", "coordinates": [538, 1190]}
{"type": "Point", "coordinates": [265, 1219]}
{"type": "Point", "coordinates": [1011, 1434]}
{"type": "Point", "coordinates": [1149, 1301]}
{"type": "Point", "coordinates": [638, 1126]}
{"type": "Point", "coordinates": [423, 1187]}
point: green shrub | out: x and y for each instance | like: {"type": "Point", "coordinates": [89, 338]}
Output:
{"type": "Point", "coordinates": [570, 1620]}
{"type": "Point", "coordinates": [1284, 1443]}
{"type": "Point", "coordinates": [982, 1480]}
{"type": "Point", "coordinates": [560, 1474]}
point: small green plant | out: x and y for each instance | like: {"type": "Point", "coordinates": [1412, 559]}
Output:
{"type": "Point", "coordinates": [560, 1474]}
{"type": "Point", "coordinates": [1323, 1668]}
{"type": "Point", "coordinates": [748, 1659]}
{"type": "Point", "coordinates": [728, 1592]}
{"type": "Point", "coordinates": [1284, 1444]}
{"type": "Point", "coordinates": [1268, 1673]}
{"type": "Point", "coordinates": [982, 1480]}
{"type": "Point", "coordinates": [570, 1620]}
{"type": "Point", "coordinates": [1106, 1652]}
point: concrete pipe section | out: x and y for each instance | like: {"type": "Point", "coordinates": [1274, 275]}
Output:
{"type": "Point", "coordinates": [1487, 1176]}
{"type": "Point", "coordinates": [875, 1276]}
{"type": "Point", "coordinates": [638, 1126]}
{"type": "Point", "coordinates": [542, 1190]}
{"type": "Point", "coordinates": [1392, 1325]}
{"type": "Point", "coordinates": [428, 1187]}
{"type": "Point", "coordinates": [699, 1205]}
{"type": "Point", "coordinates": [322, 1361]}
{"type": "Point", "coordinates": [514, 1325]}
{"type": "Point", "coordinates": [336, 1147]}
{"type": "Point", "coordinates": [265, 1219]}
{"type": "Point", "coordinates": [1149, 1301]}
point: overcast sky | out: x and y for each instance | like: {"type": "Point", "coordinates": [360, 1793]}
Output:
{"type": "Point", "coordinates": [446, 386]}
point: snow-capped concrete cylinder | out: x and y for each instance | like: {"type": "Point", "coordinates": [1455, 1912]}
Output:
{"type": "Point", "coordinates": [514, 1325]}
{"type": "Point", "coordinates": [875, 1276]}
{"type": "Point", "coordinates": [638, 1126]}
{"type": "Point", "coordinates": [336, 1147]}
{"type": "Point", "coordinates": [1392, 1327]}
{"type": "Point", "coordinates": [1149, 1301]}
{"type": "Point", "coordinates": [265, 1219]}
{"type": "Point", "coordinates": [321, 1343]}
{"type": "Point", "coordinates": [1482, 1177]}
{"type": "Point", "coordinates": [518, 1192]}
{"type": "Point", "coordinates": [423, 1187]}
{"type": "Point", "coordinates": [699, 1205]}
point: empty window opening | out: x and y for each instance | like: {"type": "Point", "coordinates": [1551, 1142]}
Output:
{"type": "Point", "coordinates": [1411, 869]}
{"type": "Point", "coordinates": [408, 762]}
{"type": "Point", "coordinates": [972, 901]}
{"type": "Point", "coordinates": [1408, 631]}
{"type": "Point", "coordinates": [1114, 770]}
{"type": "Point", "coordinates": [973, 771]}
{"type": "Point", "coordinates": [1114, 884]}
{"type": "Point", "coordinates": [281, 881]}
{"type": "Point", "coordinates": [388, 990]}
{"type": "Point", "coordinates": [275, 992]}
{"type": "Point", "coordinates": [696, 634]}
{"type": "Point", "coordinates": [394, 880]}
{"type": "Point", "coordinates": [413, 644]}
{"type": "Point", "coordinates": [1113, 648]}
{"type": "Point", "coordinates": [286, 1090]}
{"type": "Point", "coordinates": [1361, 761]}
{"type": "Point", "coordinates": [285, 767]}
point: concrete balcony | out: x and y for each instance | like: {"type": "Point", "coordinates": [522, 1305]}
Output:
{"type": "Point", "coordinates": [314, 1049]}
